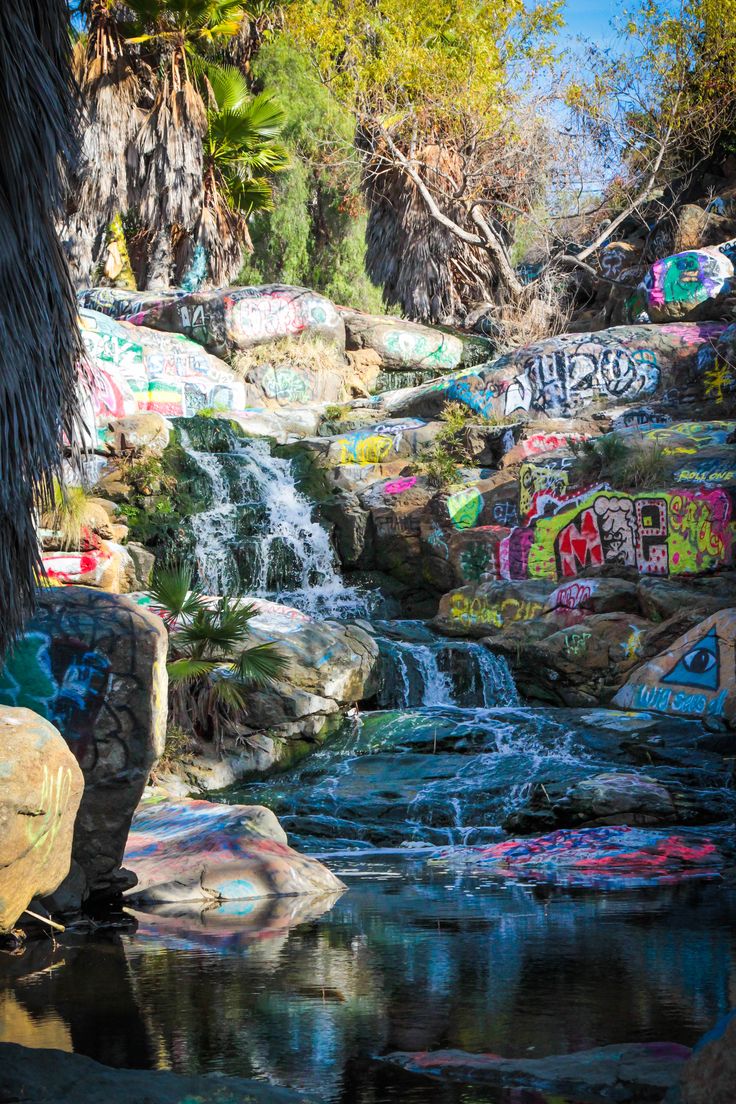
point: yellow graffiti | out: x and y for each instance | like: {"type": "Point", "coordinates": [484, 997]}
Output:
{"type": "Point", "coordinates": [479, 611]}
{"type": "Point", "coordinates": [632, 648]}
{"type": "Point", "coordinates": [54, 798]}
{"type": "Point", "coordinates": [719, 380]}
{"type": "Point", "coordinates": [365, 450]}
{"type": "Point", "coordinates": [692, 519]}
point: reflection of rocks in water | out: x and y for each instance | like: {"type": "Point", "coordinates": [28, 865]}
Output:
{"type": "Point", "coordinates": [93, 1006]}
{"type": "Point", "coordinates": [411, 958]}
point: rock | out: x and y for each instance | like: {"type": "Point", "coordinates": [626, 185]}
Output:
{"type": "Point", "coordinates": [195, 850]}
{"type": "Point", "coordinates": [477, 610]}
{"type": "Point", "coordinates": [584, 596]}
{"type": "Point", "coordinates": [629, 1073]}
{"type": "Point", "coordinates": [145, 430]}
{"type": "Point", "coordinates": [695, 677]}
{"type": "Point", "coordinates": [710, 1074]}
{"type": "Point", "coordinates": [695, 228]}
{"type": "Point", "coordinates": [717, 370]}
{"type": "Point", "coordinates": [52, 1077]}
{"type": "Point", "coordinates": [400, 344]}
{"type": "Point", "coordinates": [108, 567]}
{"type": "Point", "coordinates": [603, 857]}
{"type": "Point", "coordinates": [41, 791]}
{"type": "Point", "coordinates": [136, 369]}
{"type": "Point", "coordinates": [241, 317]}
{"type": "Point", "coordinates": [686, 286]}
{"type": "Point", "coordinates": [619, 798]}
{"type": "Point", "coordinates": [661, 598]}
{"type": "Point", "coordinates": [567, 376]}
{"type": "Point", "coordinates": [94, 665]}
{"type": "Point", "coordinates": [143, 563]}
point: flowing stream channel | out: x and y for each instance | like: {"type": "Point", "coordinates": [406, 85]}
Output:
{"type": "Point", "coordinates": [310, 993]}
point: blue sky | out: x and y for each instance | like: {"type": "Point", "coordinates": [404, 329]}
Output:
{"type": "Point", "coordinates": [591, 18]}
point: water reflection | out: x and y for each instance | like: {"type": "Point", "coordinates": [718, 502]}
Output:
{"type": "Point", "coordinates": [410, 958]}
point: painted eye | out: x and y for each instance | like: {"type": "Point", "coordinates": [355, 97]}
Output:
{"type": "Point", "coordinates": [699, 661]}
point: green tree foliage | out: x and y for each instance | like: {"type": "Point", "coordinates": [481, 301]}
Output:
{"type": "Point", "coordinates": [315, 235]}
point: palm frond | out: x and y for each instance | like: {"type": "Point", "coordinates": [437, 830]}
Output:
{"type": "Point", "coordinates": [262, 664]}
{"type": "Point", "coordinates": [217, 632]}
{"type": "Point", "coordinates": [173, 590]}
{"type": "Point", "coordinates": [228, 85]}
{"type": "Point", "coordinates": [186, 669]}
{"type": "Point", "coordinates": [41, 347]}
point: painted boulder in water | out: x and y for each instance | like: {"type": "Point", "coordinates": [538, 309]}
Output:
{"type": "Point", "coordinates": [94, 665]}
{"type": "Point", "coordinates": [196, 850]}
{"type": "Point", "coordinates": [41, 790]}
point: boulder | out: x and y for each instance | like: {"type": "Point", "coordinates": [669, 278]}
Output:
{"type": "Point", "coordinates": [629, 1073]}
{"type": "Point", "coordinates": [709, 1076]}
{"type": "Point", "coordinates": [477, 610]}
{"type": "Point", "coordinates": [41, 791]}
{"type": "Point", "coordinates": [94, 665]}
{"type": "Point", "coordinates": [196, 850]}
{"type": "Point", "coordinates": [49, 1076]}
{"type": "Point", "coordinates": [146, 430]}
{"type": "Point", "coordinates": [402, 345]}
{"type": "Point", "coordinates": [107, 566]}
{"type": "Point", "coordinates": [568, 375]}
{"type": "Point", "coordinates": [695, 677]}
{"type": "Point", "coordinates": [134, 368]}
{"type": "Point", "coordinates": [685, 286]}
{"type": "Point", "coordinates": [227, 319]}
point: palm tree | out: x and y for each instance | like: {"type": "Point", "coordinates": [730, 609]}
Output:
{"type": "Point", "coordinates": [211, 669]}
{"type": "Point", "coordinates": [39, 338]}
{"type": "Point", "coordinates": [113, 82]}
{"type": "Point", "coordinates": [241, 150]}
{"type": "Point", "coordinates": [170, 187]}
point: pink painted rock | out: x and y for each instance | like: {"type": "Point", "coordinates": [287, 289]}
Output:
{"type": "Point", "coordinates": [695, 677]}
{"type": "Point", "coordinates": [627, 1072]}
{"type": "Point", "coordinates": [199, 850]}
{"type": "Point", "coordinates": [610, 858]}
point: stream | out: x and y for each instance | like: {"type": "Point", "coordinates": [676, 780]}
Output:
{"type": "Point", "coordinates": [414, 956]}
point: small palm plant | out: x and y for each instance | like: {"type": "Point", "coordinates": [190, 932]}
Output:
{"type": "Point", "coordinates": [211, 668]}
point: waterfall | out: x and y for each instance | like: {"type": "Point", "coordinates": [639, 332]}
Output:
{"type": "Point", "coordinates": [421, 669]}
{"type": "Point", "coordinates": [259, 537]}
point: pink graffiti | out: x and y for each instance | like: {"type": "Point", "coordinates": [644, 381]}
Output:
{"type": "Point", "coordinates": [71, 567]}
{"type": "Point", "coordinates": [398, 486]}
{"type": "Point", "coordinates": [571, 596]}
{"type": "Point", "coordinates": [549, 442]}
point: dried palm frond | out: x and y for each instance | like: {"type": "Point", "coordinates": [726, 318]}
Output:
{"type": "Point", "coordinates": [112, 89]}
{"type": "Point", "coordinates": [39, 340]}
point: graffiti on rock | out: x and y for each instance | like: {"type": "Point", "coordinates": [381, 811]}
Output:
{"type": "Point", "coordinates": [398, 486]}
{"type": "Point", "coordinates": [581, 368]}
{"type": "Point", "coordinates": [714, 469]}
{"type": "Point", "coordinates": [552, 476]}
{"type": "Point", "coordinates": [641, 418]}
{"type": "Point", "coordinates": [719, 380]}
{"type": "Point", "coordinates": [695, 677]}
{"type": "Point", "coordinates": [436, 540]}
{"type": "Point", "coordinates": [576, 644]}
{"type": "Point", "coordinates": [549, 442]}
{"type": "Point", "coordinates": [464, 507]}
{"type": "Point", "coordinates": [359, 448]}
{"type": "Point", "coordinates": [263, 314]}
{"type": "Point", "coordinates": [686, 438]}
{"type": "Point", "coordinates": [42, 830]}
{"type": "Point", "coordinates": [410, 348]}
{"type": "Point", "coordinates": [571, 596]}
{"type": "Point", "coordinates": [475, 561]}
{"type": "Point", "coordinates": [62, 679]}
{"type": "Point", "coordinates": [286, 385]}
{"type": "Point", "coordinates": [666, 533]}
{"type": "Point", "coordinates": [632, 646]}
{"type": "Point", "coordinates": [505, 513]}
{"type": "Point", "coordinates": [479, 610]}
{"type": "Point", "coordinates": [686, 278]}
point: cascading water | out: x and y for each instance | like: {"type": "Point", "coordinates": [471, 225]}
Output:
{"type": "Point", "coordinates": [425, 670]}
{"type": "Point", "coordinates": [259, 536]}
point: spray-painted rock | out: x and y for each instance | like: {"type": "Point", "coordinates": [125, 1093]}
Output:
{"type": "Point", "coordinates": [147, 430]}
{"type": "Point", "coordinates": [562, 377]}
{"type": "Point", "coordinates": [194, 850]}
{"type": "Point", "coordinates": [687, 285]}
{"type": "Point", "coordinates": [717, 370]}
{"type": "Point", "coordinates": [709, 1076]}
{"type": "Point", "coordinates": [239, 318]}
{"type": "Point", "coordinates": [94, 665]}
{"type": "Point", "coordinates": [134, 369]}
{"type": "Point", "coordinates": [41, 790]}
{"type": "Point", "coordinates": [402, 345]}
{"type": "Point", "coordinates": [628, 1072]}
{"type": "Point", "coordinates": [105, 565]}
{"type": "Point", "coordinates": [123, 302]}
{"type": "Point", "coordinates": [613, 858]}
{"type": "Point", "coordinates": [695, 677]}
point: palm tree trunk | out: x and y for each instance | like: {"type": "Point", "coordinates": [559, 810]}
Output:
{"type": "Point", "coordinates": [160, 261]}
{"type": "Point", "coordinates": [40, 346]}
